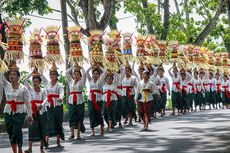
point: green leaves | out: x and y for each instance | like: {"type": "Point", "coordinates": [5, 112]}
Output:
{"type": "Point", "coordinates": [25, 7]}
{"type": "Point", "coordinates": [185, 25]}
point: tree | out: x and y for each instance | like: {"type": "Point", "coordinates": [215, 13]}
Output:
{"type": "Point", "coordinates": [87, 10]}
{"type": "Point", "coordinates": [156, 17]}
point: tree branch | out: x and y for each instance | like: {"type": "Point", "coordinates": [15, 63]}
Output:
{"type": "Point", "coordinates": [83, 4]}
{"type": "Point", "coordinates": [91, 15]}
{"type": "Point", "coordinates": [178, 12]}
{"type": "Point", "coordinates": [166, 20]}
{"type": "Point", "coordinates": [201, 37]}
{"type": "Point", "coordinates": [148, 22]}
{"type": "Point", "coordinates": [73, 13]}
{"type": "Point", "coordinates": [108, 10]}
{"type": "Point", "coordinates": [228, 9]}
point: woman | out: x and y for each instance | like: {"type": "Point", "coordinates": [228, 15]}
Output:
{"type": "Point", "coordinates": [207, 89]}
{"type": "Point", "coordinates": [225, 87]}
{"type": "Point", "coordinates": [218, 88]}
{"type": "Point", "coordinates": [198, 96]}
{"type": "Point", "coordinates": [129, 83]}
{"type": "Point", "coordinates": [212, 84]}
{"type": "Point", "coordinates": [176, 88]}
{"type": "Point", "coordinates": [17, 105]}
{"type": "Point", "coordinates": [191, 90]}
{"type": "Point", "coordinates": [95, 103]}
{"type": "Point", "coordinates": [55, 94]}
{"type": "Point", "coordinates": [144, 96]}
{"type": "Point", "coordinates": [37, 130]}
{"type": "Point", "coordinates": [164, 87]}
{"type": "Point", "coordinates": [155, 104]}
{"type": "Point", "coordinates": [185, 78]}
{"type": "Point", "coordinates": [118, 112]}
{"type": "Point", "coordinates": [110, 96]}
{"type": "Point", "coordinates": [76, 99]}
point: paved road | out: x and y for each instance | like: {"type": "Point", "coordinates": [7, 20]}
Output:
{"type": "Point", "coordinates": [207, 131]}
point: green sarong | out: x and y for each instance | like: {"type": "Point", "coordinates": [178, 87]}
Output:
{"type": "Point", "coordinates": [95, 116]}
{"type": "Point", "coordinates": [128, 106]}
{"type": "Point", "coordinates": [163, 100]}
{"type": "Point", "coordinates": [198, 99]}
{"type": "Point", "coordinates": [76, 115]}
{"type": "Point", "coordinates": [14, 123]}
{"type": "Point", "coordinates": [176, 100]}
{"type": "Point", "coordinates": [118, 108]}
{"type": "Point", "coordinates": [109, 113]}
{"type": "Point", "coordinates": [38, 130]}
{"type": "Point", "coordinates": [54, 121]}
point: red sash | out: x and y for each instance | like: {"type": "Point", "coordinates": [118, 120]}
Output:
{"type": "Point", "coordinates": [93, 98]}
{"type": "Point", "coordinates": [218, 88]}
{"type": "Point", "coordinates": [128, 90]}
{"type": "Point", "coordinates": [205, 84]}
{"type": "Point", "coordinates": [210, 84]}
{"type": "Point", "coordinates": [13, 104]}
{"type": "Point", "coordinates": [163, 88]}
{"type": "Point", "coordinates": [119, 87]}
{"type": "Point", "coordinates": [34, 107]}
{"type": "Point", "coordinates": [197, 85]}
{"type": "Point", "coordinates": [177, 84]}
{"type": "Point", "coordinates": [226, 91]}
{"type": "Point", "coordinates": [50, 98]}
{"type": "Point", "coordinates": [75, 93]}
{"type": "Point", "coordinates": [193, 89]}
{"type": "Point", "coordinates": [184, 89]}
{"type": "Point", "coordinates": [108, 100]}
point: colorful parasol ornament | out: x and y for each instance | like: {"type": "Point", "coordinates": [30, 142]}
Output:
{"type": "Point", "coordinates": [152, 49]}
{"type": "Point", "coordinates": [127, 46]}
{"type": "Point", "coordinates": [35, 51]}
{"type": "Point", "coordinates": [162, 53]}
{"type": "Point", "coordinates": [110, 62]}
{"type": "Point", "coordinates": [53, 50]}
{"type": "Point", "coordinates": [116, 45]}
{"type": "Point", "coordinates": [14, 33]}
{"type": "Point", "coordinates": [76, 52]}
{"type": "Point", "coordinates": [174, 49]}
{"type": "Point", "coordinates": [225, 60]}
{"type": "Point", "coordinates": [141, 53]}
{"type": "Point", "coordinates": [95, 43]}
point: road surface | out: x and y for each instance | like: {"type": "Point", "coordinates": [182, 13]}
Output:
{"type": "Point", "coordinates": [207, 131]}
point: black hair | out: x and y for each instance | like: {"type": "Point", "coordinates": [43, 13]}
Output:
{"type": "Point", "coordinates": [55, 73]}
{"type": "Point", "coordinates": [96, 70]}
{"type": "Point", "coordinates": [17, 73]}
{"type": "Point", "coordinates": [109, 76]}
{"type": "Point", "coordinates": [37, 77]}
{"type": "Point", "coordinates": [129, 68]}
{"type": "Point", "coordinates": [147, 72]}
{"type": "Point", "coordinates": [78, 72]}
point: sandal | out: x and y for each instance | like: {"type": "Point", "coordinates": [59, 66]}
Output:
{"type": "Point", "coordinates": [42, 151]}
{"type": "Point", "coordinates": [28, 151]}
{"type": "Point", "coordinates": [78, 137]}
{"type": "Point", "coordinates": [71, 137]}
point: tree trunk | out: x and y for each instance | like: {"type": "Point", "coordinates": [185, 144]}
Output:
{"type": "Point", "coordinates": [148, 22]}
{"type": "Point", "coordinates": [3, 33]}
{"type": "Point", "coordinates": [166, 20]}
{"type": "Point", "coordinates": [201, 37]}
{"type": "Point", "coordinates": [65, 36]}
{"type": "Point", "coordinates": [113, 20]}
{"type": "Point", "coordinates": [227, 42]}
